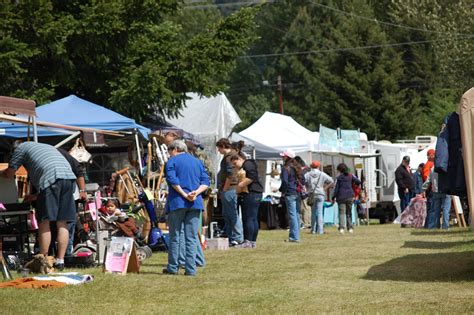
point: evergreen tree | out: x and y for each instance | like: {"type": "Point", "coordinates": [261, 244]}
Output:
{"type": "Point", "coordinates": [129, 55]}
{"type": "Point", "coordinates": [341, 85]}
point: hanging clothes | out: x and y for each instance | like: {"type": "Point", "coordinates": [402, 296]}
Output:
{"type": "Point", "coordinates": [449, 159]}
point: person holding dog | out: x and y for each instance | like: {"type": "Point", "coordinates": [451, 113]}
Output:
{"type": "Point", "coordinates": [250, 192]}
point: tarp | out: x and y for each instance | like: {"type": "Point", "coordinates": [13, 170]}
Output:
{"type": "Point", "coordinates": [328, 137]}
{"type": "Point", "coordinates": [350, 139]}
{"type": "Point", "coordinates": [466, 120]}
{"type": "Point", "coordinates": [75, 111]}
{"type": "Point", "coordinates": [207, 118]}
{"type": "Point", "coordinates": [279, 132]}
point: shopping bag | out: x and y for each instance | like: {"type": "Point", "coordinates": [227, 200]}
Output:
{"type": "Point", "coordinates": [79, 152]}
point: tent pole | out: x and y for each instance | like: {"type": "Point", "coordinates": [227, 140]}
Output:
{"type": "Point", "coordinates": [35, 130]}
{"type": "Point", "coordinates": [60, 144]}
{"type": "Point", "coordinates": [139, 158]}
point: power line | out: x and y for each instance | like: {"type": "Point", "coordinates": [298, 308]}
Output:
{"type": "Point", "coordinates": [223, 5]}
{"type": "Point", "coordinates": [343, 49]}
{"type": "Point", "coordinates": [385, 23]}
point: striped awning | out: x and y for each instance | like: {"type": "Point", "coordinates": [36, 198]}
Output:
{"type": "Point", "coordinates": [15, 106]}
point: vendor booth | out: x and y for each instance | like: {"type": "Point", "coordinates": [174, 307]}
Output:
{"type": "Point", "coordinates": [14, 215]}
{"type": "Point", "coordinates": [64, 119]}
{"type": "Point", "coordinates": [76, 112]}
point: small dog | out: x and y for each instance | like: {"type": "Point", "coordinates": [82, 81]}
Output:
{"type": "Point", "coordinates": [41, 264]}
{"type": "Point", "coordinates": [241, 175]}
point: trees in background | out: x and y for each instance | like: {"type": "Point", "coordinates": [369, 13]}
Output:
{"type": "Point", "coordinates": [390, 68]}
{"type": "Point", "coordinates": [132, 56]}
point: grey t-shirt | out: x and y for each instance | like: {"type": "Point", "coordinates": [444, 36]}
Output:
{"type": "Point", "coordinates": [315, 180]}
{"type": "Point", "coordinates": [43, 162]}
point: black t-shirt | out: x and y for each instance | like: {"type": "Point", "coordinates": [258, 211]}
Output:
{"type": "Point", "coordinates": [250, 168]}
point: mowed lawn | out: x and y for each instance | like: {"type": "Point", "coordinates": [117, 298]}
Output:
{"type": "Point", "coordinates": [379, 269]}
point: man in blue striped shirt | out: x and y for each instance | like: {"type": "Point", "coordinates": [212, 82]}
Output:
{"type": "Point", "coordinates": [51, 175]}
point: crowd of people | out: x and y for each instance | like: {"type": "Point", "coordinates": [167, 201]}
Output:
{"type": "Point", "coordinates": [304, 191]}
{"type": "Point", "coordinates": [239, 186]}
{"type": "Point", "coordinates": [424, 182]}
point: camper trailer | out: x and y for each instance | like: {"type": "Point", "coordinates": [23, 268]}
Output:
{"type": "Point", "coordinates": [382, 189]}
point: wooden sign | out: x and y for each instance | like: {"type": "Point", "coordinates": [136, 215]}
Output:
{"type": "Point", "coordinates": [459, 212]}
{"type": "Point", "coordinates": [121, 256]}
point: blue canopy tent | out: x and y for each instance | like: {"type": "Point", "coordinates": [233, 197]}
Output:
{"type": "Point", "coordinates": [74, 111]}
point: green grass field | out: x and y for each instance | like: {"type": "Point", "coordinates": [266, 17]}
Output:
{"type": "Point", "coordinates": [379, 269]}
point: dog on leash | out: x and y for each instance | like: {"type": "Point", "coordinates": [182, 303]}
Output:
{"type": "Point", "coordinates": [41, 264]}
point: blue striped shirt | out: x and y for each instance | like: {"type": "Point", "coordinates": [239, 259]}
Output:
{"type": "Point", "coordinates": [43, 162]}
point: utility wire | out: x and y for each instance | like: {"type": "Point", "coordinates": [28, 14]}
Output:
{"type": "Point", "coordinates": [344, 49]}
{"type": "Point", "coordinates": [385, 23]}
{"type": "Point", "coordinates": [223, 5]}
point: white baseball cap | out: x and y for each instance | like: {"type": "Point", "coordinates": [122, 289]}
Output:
{"type": "Point", "coordinates": [288, 153]}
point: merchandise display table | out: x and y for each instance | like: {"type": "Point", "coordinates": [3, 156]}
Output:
{"type": "Point", "coordinates": [331, 214]}
{"type": "Point", "coordinates": [14, 231]}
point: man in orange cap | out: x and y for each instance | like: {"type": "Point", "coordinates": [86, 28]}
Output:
{"type": "Point", "coordinates": [317, 182]}
{"type": "Point", "coordinates": [429, 164]}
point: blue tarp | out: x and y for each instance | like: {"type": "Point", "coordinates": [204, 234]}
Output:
{"type": "Point", "coordinates": [74, 111]}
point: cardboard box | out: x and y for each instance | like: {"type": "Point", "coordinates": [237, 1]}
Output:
{"type": "Point", "coordinates": [221, 243]}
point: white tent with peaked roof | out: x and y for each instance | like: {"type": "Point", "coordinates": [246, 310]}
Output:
{"type": "Point", "coordinates": [279, 132]}
{"type": "Point", "coordinates": [207, 118]}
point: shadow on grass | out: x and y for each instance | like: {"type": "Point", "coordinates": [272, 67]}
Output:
{"type": "Point", "coordinates": [434, 245]}
{"type": "Point", "coordinates": [441, 267]}
{"type": "Point", "coordinates": [159, 273]}
{"type": "Point", "coordinates": [439, 232]}
{"type": "Point", "coordinates": [153, 265]}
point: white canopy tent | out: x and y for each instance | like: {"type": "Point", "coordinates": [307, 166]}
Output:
{"type": "Point", "coordinates": [209, 119]}
{"type": "Point", "coordinates": [273, 133]}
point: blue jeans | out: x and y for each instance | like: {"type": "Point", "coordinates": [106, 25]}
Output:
{"type": "Point", "coordinates": [200, 260]}
{"type": "Point", "coordinates": [317, 215]}
{"type": "Point", "coordinates": [190, 219]}
{"type": "Point", "coordinates": [404, 199]}
{"type": "Point", "coordinates": [345, 213]}
{"type": "Point", "coordinates": [446, 211]}
{"type": "Point", "coordinates": [230, 212]}
{"type": "Point", "coordinates": [293, 217]}
{"type": "Point", "coordinates": [438, 201]}
{"type": "Point", "coordinates": [250, 203]}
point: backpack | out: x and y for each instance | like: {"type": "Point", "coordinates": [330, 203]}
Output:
{"type": "Point", "coordinates": [356, 187]}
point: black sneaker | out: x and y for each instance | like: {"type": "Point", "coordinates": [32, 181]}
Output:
{"type": "Point", "coordinates": [58, 266]}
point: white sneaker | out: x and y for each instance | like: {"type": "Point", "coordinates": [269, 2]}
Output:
{"type": "Point", "coordinates": [351, 231]}
{"type": "Point", "coordinates": [341, 231]}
